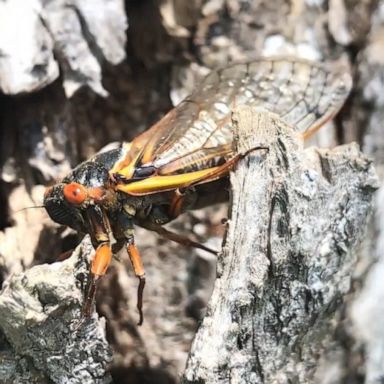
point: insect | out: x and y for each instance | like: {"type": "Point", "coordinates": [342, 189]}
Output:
{"type": "Point", "coordinates": [182, 161]}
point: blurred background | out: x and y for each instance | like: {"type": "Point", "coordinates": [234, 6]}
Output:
{"type": "Point", "coordinates": [77, 75]}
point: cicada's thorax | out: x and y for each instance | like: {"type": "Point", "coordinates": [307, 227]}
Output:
{"type": "Point", "coordinates": [94, 174]}
{"type": "Point", "coordinates": [155, 207]}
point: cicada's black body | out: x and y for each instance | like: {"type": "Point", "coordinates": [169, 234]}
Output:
{"type": "Point", "coordinates": [183, 161]}
{"type": "Point", "coordinates": [149, 210]}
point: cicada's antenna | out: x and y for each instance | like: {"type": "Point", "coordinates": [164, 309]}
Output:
{"type": "Point", "coordinates": [25, 208]}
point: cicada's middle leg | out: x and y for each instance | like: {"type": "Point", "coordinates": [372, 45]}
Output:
{"type": "Point", "coordinates": [138, 268]}
{"type": "Point", "coordinates": [126, 227]}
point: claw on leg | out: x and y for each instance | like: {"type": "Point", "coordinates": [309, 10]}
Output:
{"type": "Point", "coordinates": [89, 296]}
{"type": "Point", "coordinates": [138, 268]}
{"type": "Point", "coordinates": [140, 290]}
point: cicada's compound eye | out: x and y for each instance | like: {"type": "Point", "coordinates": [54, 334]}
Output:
{"type": "Point", "coordinates": [75, 193]}
{"type": "Point", "coordinates": [60, 210]}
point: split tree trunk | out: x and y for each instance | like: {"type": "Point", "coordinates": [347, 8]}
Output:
{"type": "Point", "coordinates": [296, 221]}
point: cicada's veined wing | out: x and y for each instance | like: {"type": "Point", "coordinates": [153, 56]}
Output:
{"type": "Point", "coordinates": [197, 135]}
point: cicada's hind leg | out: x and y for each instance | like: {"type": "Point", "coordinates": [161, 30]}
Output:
{"type": "Point", "coordinates": [180, 239]}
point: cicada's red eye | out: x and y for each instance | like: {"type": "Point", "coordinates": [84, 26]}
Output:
{"type": "Point", "coordinates": [75, 193]}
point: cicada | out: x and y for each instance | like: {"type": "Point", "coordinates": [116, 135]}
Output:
{"type": "Point", "coordinates": [182, 162]}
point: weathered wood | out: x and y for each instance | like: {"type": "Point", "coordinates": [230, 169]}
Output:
{"type": "Point", "coordinates": [45, 133]}
{"type": "Point", "coordinates": [297, 217]}
{"type": "Point", "coordinates": [38, 37]}
{"type": "Point", "coordinates": [368, 306]}
{"type": "Point", "coordinates": [40, 311]}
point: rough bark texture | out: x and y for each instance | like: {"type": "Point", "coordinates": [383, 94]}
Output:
{"type": "Point", "coordinates": [60, 58]}
{"type": "Point", "coordinates": [77, 31]}
{"type": "Point", "coordinates": [368, 111]}
{"type": "Point", "coordinates": [46, 341]}
{"type": "Point", "coordinates": [297, 216]}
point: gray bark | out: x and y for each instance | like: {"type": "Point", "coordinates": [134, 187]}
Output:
{"type": "Point", "coordinates": [368, 308]}
{"type": "Point", "coordinates": [40, 318]}
{"type": "Point", "coordinates": [38, 36]}
{"type": "Point", "coordinates": [297, 218]}
{"type": "Point", "coordinates": [171, 44]}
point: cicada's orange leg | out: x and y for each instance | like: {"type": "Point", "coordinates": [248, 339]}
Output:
{"type": "Point", "coordinates": [99, 266]}
{"type": "Point", "coordinates": [138, 268]}
{"type": "Point", "coordinates": [126, 226]}
{"type": "Point", "coordinates": [102, 258]}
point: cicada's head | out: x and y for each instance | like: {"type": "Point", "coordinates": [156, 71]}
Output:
{"type": "Point", "coordinates": [66, 203]}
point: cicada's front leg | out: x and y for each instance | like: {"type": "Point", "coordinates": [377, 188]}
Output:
{"type": "Point", "coordinates": [102, 258]}
{"type": "Point", "coordinates": [99, 266]}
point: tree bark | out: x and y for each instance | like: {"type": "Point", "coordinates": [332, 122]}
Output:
{"type": "Point", "coordinates": [64, 96]}
{"type": "Point", "coordinates": [297, 217]}
{"type": "Point", "coordinates": [46, 340]}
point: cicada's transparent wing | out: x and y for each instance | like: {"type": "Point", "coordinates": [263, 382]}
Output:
{"type": "Point", "coordinates": [304, 94]}
{"type": "Point", "coordinates": [197, 134]}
